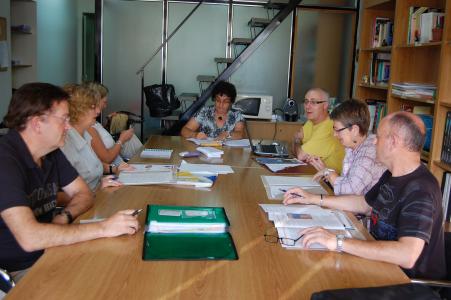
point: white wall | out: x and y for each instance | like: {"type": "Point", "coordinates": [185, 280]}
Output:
{"type": "Point", "coordinates": [5, 77]}
{"type": "Point", "coordinates": [57, 41]}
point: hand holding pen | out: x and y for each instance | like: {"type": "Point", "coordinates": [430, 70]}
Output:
{"type": "Point", "coordinates": [298, 195]}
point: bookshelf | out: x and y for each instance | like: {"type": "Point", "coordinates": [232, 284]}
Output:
{"type": "Point", "coordinates": [428, 63]}
{"type": "Point", "coordinates": [23, 42]}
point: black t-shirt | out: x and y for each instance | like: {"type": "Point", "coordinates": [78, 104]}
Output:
{"type": "Point", "coordinates": [24, 183]}
{"type": "Point", "coordinates": [410, 205]}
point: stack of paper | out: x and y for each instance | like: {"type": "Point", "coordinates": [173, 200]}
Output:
{"type": "Point", "coordinates": [187, 178]}
{"type": "Point", "coordinates": [146, 177]}
{"type": "Point", "coordinates": [291, 220]}
{"type": "Point", "coordinates": [210, 152]}
{"type": "Point", "coordinates": [237, 143]}
{"type": "Point", "coordinates": [156, 153]}
{"type": "Point", "coordinates": [205, 169]}
{"type": "Point", "coordinates": [276, 186]}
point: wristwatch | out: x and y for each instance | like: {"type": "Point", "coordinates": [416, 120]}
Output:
{"type": "Point", "coordinates": [340, 239]}
{"type": "Point", "coordinates": [328, 171]}
{"type": "Point", "coordinates": [69, 216]}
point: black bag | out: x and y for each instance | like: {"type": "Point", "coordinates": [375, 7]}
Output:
{"type": "Point", "coordinates": [161, 99]}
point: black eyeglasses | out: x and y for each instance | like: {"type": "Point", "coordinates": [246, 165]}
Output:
{"type": "Point", "coordinates": [341, 129]}
{"type": "Point", "coordinates": [282, 240]}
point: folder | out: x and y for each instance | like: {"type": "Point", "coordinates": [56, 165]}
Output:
{"type": "Point", "coordinates": [187, 233]}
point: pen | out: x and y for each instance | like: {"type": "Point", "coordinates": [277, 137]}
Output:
{"type": "Point", "coordinates": [136, 212]}
{"type": "Point", "coordinates": [292, 194]}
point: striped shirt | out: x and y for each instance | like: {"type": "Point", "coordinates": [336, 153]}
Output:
{"type": "Point", "coordinates": [360, 171]}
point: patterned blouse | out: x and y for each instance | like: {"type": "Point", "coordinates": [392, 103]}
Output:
{"type": "Point", "coordinates": [206, 119]}
{"type": "Point", "coordinates": [360, 169]}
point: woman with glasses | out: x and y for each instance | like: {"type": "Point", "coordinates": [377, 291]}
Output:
{"type": "Point", "coordinates": [218, 121]}
{"type": "Point", "coordinates": [83, 110]}
{"type": "Point", "coordinates": [360, 168]}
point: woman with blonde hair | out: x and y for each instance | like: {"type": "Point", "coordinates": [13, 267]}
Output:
{"type": "Point", "coordinates": [103, 144]}
{"type": "Point", "coordinates": [83, 110]}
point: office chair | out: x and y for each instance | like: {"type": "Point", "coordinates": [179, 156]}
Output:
{"type": "Point", "coordinates": [6, 281]}
{"type": "Point", "coordinates": [421, 289]}
{"type": "Point", "coordinates": [161, 99]}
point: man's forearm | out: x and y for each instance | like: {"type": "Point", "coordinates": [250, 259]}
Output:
{"type": "Point", "coordinates": [80, 203]}
{"type": "Point", "coordinates": [394, 252]}
{"type": "Point", "coordinates": [352, 203]}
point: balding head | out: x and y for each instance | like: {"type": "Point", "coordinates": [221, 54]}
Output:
{"type": "Point", "coordinates": [409, 128]}
{"type": "Point", "coordinates": [316, 102]}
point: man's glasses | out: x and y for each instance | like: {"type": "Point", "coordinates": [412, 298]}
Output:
{"type": "Point", "coordinates": [63, 119]}
{"type": "Point", "coordinates": [341, 129]}
{"type": "Point", "coordinates": [271, 238]}
{"type": "Point", "coordinates": [314, 102]}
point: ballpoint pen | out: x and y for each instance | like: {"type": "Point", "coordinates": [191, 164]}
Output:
{"type": "Point", "coordinates": [136, 212]}
{"type": "Point", "coordinates": [293, 194]}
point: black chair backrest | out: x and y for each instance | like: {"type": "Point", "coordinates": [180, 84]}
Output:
{"type": "Point", "coordinates": [161, 99]}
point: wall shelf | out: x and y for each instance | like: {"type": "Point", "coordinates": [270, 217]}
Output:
{"type": "Point", "coordinates": [374, 86]}
{"type": "Point", "coordinates": [414, 99]}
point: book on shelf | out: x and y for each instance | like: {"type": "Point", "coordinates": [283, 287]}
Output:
{"type": "Point", "coordinates": [378, 110]}
{"type": "Point", "coordinates": [380, 68]}
{"type": "Point", "coordinates": [422, 21]}
{"type": "Point", "coordinates": [382, 32]}
{"type": "Point", "coordinates": [446, 194]}
{"type": "Point", "coordinates": [187, 233]}
{"type": "Point", "coordinates": [446, 146]}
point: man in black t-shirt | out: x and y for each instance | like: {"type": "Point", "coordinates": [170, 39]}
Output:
{"type": "Point", "coordinates": [33, 171]}
{"type": "Point", "coordinates": [404, 206]}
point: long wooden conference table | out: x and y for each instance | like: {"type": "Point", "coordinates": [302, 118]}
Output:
{"type": "Point", "coordinates": [112, 268]}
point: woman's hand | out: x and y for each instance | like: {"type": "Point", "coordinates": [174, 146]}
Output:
{"type": "Point", "coordinates": [222, 136]}
{"type": "Point", "coordinates": [302, 156]}
{"type": "Point", "coordinates": [316, 162]}
{"type": "Point", "coordinates": [124, 167]}
{"type": "Point", "coordinates": [201, 136]}
{"type": "Point", "coordinates": [109, 181]}
{"type": "Point", "coordinates": [298, 195]}
{"type": "Point", "coordinates": [126, 135]}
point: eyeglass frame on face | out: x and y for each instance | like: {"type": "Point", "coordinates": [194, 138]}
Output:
{"type": "Point", "coordinates": [313, 101]}
{"type": "Point", "coordinates": [64, 119]}
{"type": "Point", "coordinates": [341, 129]}
{"type": "Point", "coordinates": [282, 240]}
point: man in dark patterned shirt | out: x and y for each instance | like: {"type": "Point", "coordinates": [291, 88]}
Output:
{"type": "Point", "coordinates": [404, 206]}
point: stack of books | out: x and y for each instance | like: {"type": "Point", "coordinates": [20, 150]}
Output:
{"type": "Point", "coordinates": [423, 91]}
{"type": "Point", "coordinates": [187, 232]}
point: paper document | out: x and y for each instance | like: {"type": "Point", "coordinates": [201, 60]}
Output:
{"type": "Point", "coordinates": [237, 143]}
{"type": "Point", "coordinates": [187, 178]}
{"type": "Point", "coordinates": [149, 168]}
{"type": "Point", "coordinates": [210, 152]}
{"type": "Point", "coordinates": [205, 168]}
{"type": "Point", "coordinates": [144, 178]}
{"type": "Point", "coordinates": [276, 185]}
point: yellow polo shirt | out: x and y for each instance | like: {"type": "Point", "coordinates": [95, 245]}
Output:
{"type": "Point", "coordinates": [319, 140]}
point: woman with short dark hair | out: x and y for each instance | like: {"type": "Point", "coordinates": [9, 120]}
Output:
{"type": "Point", "coordinates": [218, 121]}
{"type": "Point", "coordinates": [360, 168]}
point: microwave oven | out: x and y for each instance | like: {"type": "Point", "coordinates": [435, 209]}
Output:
{"type": "Point", "coordinates": [254, 106]}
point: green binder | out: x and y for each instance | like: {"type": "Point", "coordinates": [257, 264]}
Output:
{"type": "Point", "coordinates": [207, 241]}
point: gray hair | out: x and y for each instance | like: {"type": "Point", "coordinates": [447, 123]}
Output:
{"type": "Point", "coordinates": [410, 128]}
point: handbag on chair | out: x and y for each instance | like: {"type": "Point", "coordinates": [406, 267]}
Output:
{"type": "Point", "coordinates": [161, 99]}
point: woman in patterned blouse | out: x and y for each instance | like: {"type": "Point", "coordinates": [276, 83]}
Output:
{"type": "Point", "coordinates": [218, 121]}
{"type": "Point", "coordinates": [360, 168]}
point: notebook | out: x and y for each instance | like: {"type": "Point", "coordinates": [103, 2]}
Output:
{"type": "Point", "coordinates": [156, 153]}
{"type": "Point", "coordinates": [275, 149]}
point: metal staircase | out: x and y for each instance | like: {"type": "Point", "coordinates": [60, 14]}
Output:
{"type": "Point", "coordinates": [260, 30]}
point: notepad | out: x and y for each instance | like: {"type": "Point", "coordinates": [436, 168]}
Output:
{"type": "Point", "coordinates": [156, 153]}
{"type": "Point", "coordinates": [210, 152]}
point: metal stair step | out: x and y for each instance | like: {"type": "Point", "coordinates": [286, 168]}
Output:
{"type": "Point", "coordinates": [258, 22]}
{"type": "Point", "coordinates": [205, 78]}
{"type": "Point", "coordinates": [224, 60]}
{"type": "Point", "coordinates": [241, 41]}
{"type": "Point", "coordinates": [276, 4]}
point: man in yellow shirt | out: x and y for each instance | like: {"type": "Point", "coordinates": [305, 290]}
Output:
{"type": "Point", "coordinates": [317, 134]}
